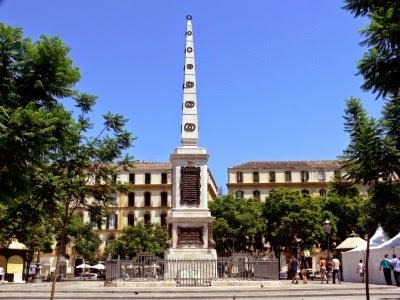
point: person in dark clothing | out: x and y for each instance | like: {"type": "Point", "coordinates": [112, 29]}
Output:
{"type": "Point", "coordinates": [294, 267]}
{"type": "Point", "coordinates": [387, 269]}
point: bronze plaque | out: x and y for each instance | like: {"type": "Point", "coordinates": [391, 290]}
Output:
{"type": "Point", "coordinates": [190, 185]}
{"type": "Point", "coordinates": [190, 236]}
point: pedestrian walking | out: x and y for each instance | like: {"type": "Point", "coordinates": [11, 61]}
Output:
{"type": "Point", "coordinates": [336, 269]}
{"type": "Point", "coordinates": [387, 269]}
{"type": "Point", "coordinates": [304, 269]}
{"type": "Point", "coordinates": [360, 270]}
{"type": "Point", "coordinates": [322, 270]}
{"type": "Point", "coordinates": [395, 263]}
{"type": "Point", "coordinates": [294, 267]}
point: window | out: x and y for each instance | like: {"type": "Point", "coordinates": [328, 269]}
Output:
{"type": "Point", "coordinates": [132, 178]}
{"type": "Point", "coordinates": [272, 176]}
{"type": "Point", "coordinates": [164, 178]}
{"type": "Point", "coordinates": [305, 192]}
{"type": "Point", "coordinates": [80, 216]}
{"type": "Point", "coordinates": [337, 174]}
{"type": "Point", "coordinates": [305, 176]}
{"type": "Point", "coordinates": [322, 192]}
{"type": "Point", "coordinates": [239, 177]}
{"type": "Point", "coordinates": [288, 176]}
{"type": "Point", "coordinates": [110, 240]}
{"type": "Point", "coordinates": [131, 199]}
{"type": "Point", "coordinates": [112, 221]}
{"type": "Point", "coordinates": [256, 195]}
{"type": "Point", "coordinates": [321, 175]}
{"type": "Point", "coordinates": [147, 199]}
{"type": "Point", "coordinates": [131, 219]}
{"type": "Point", "coordinates": [147, 178]}
{"type": "Point", "coordinates": [163, 218]}
{"type": "Point", "coordinates": [147, 218]}
{"type": "Point", "coordinates": [256, 177]}
{"type": "Point", "coordinates": [239, 194]}
{"type": "Point", "coordinates": [114, 178]}
{"type": "Point", "coordinates": [164, 199]}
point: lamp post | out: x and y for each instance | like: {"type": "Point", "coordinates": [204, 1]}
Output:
{"type": "Point", "coordinates": [327, 228]}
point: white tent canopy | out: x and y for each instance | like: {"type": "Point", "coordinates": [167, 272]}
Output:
{"type": "Point", "coordinates": [377, 239]}
{"type": "Point", "coordinates": [393, 243]}
{"type": "Point", "coordinates": [83, 266]}
{"type": "Point", "coordinates": [379, 246]}
{"type": "Point", "coordinates": [351, 242]}
{"type": "Point", "coordinates": [99, 267]}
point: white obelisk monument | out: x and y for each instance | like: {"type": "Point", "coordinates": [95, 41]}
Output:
{"type": "Point", "coordinates": [189, 220]}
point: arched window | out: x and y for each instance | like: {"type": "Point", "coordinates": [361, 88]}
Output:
{"type": "Point", "coordinates": [131, 199]}
{"type": "Point", "coordinates": [131, 219]}
{"type": "Point", "coordinates": [147, 199]}
{"type": "Point", "coordinates": [305, 176]}
{"type": "Point", "coordinates": [322, 192]}
{"type": "Point", "coordinates": [256, 194]}
{"type": "Point", "coordinates": [288, 176]}
{"type": "Point", "coordinates": [163, 218]}
{"type": "Point", "coordinates": [110, 240]}
{"type": "Point", "coordinates": [239, 194]}
{"type": "Point", "coordinates": [305, 192]}
{"type": "Point", "coordinates": [147, 218]}
{"type": "Point", "coordinates": [80, 216]}
{"type": "Point", "coordinates": [147, 178]}
{"type": "Point", "coordinates": [164, 199]}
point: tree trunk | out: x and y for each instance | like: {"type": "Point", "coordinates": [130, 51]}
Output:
{"type": "Point", "coordinates": [28, 263]}
{"type": "Point", "coordinates": [54, 279]}
{"type": "Point", "coordinates": [366, 273]}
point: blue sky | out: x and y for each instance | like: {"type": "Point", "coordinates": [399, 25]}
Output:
{"type": "Point", "coordinates": [273, 76]}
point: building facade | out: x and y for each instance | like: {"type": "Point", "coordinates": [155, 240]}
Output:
{"type": "Point", "coordinates": [148, 199]}
{"type": "Point", "coordinates": [257, 178]}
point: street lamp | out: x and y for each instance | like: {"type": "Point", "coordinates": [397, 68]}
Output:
{"type": "Point", "coordinates": [327, 228]}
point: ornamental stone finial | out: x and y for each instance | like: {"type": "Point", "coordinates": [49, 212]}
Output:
{"type": "Point", "coordinates": [188, 17]}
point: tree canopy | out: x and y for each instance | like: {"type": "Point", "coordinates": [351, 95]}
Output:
{"type": "Point", "coordinates": [238, 226]}
{"type": "Point", "coordinates": [140, 238]}
{"type": "Point", "coordinates": [47, 158]}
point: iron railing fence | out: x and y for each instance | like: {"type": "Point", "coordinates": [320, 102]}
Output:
{"type": "Point", "coordinates": [192, 272]}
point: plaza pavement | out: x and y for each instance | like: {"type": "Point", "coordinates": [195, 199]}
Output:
{"type": "Point", "coordinates": [271, 290]}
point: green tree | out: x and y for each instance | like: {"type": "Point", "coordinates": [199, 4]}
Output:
{"type": "Point", "coordinates": [238, 224]}
{"type": "Point", "coordinates": [380, 65]}
{"type": "Point", "coordinates": [45, 155]}
{"type": "Point", "coordinates": [293, 220]}
{"type": "Point", "coordinates": [370, 159]}
{"type": "Point", "coordinates": [83, 238]}
{"type": "Point", "coordinates": [140, 238]}
{"type": "Point", "coordinates": [347, 210]}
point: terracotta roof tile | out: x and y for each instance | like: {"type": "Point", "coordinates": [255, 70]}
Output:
{"type": "Point", "coordinates": [151, 165]}
{"type": "Point", "coordinates": [277, 165]}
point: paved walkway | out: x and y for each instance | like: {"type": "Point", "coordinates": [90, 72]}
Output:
{"type": "Point", "coordinates": [274, 290]}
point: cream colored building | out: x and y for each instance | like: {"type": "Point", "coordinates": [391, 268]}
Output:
{"type": "Point", "coordinates": [148, 199]}
{"type": "Point", "coordinates": [257, 178]}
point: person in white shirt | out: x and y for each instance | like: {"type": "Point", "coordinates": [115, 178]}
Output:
{"type": "Point", "coordinates": [336, 269]}
{"type": "Point", "coordinates": [1, 273]}
{"type": "Point", "coordinates": [360, 270]}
